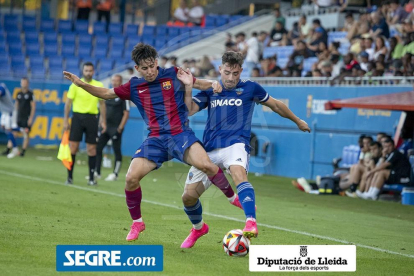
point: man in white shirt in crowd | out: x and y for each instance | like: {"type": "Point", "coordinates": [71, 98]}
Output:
{"type": "Point", "coordinates": [196, 13]}
{"type": "Point", "coordinates": [254, 50]}
{"type": "Point", "coordinates": [181, 13]}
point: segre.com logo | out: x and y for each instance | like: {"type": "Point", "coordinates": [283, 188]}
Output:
{"type": "Point", "coordinates": [109, 258]}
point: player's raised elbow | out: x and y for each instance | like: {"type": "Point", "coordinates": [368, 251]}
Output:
{"type": "Point", "coordinates": [109, 94]}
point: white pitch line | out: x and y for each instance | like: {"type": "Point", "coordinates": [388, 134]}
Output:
{"type": "Point", "coordinates": [211, 214]}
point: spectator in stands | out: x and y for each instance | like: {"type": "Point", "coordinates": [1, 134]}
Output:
{"type": "Point", "coordinates": [104, 11]}
{"type": "Point", "coordinates": [278, 35]}
{"type": "Point", "coordinates": [229, 44]}
{"type": "Point", "coordinates": [304, 28]}
{"type": "Point", "coordinates": [380, 48]}
{"type": "Point", "coordinates": [396, 169]}
{"type": "Point", "coordinates": [408, 44]}
{"type": "Point", "coordinates": [181, 13]}
{"type": "Point", "coordinates": [196, 13]}
{"type": "Point", "coordinates": [396, 48]}
{"type": "Point", "coordinates": [294, 34]}
{"type": "Point", "coordinates": [84, 8]}
{"type": "Point", "coordinates": [398, 14]}
{"type": "Point", "coordinates": [253, 52]}
{"type": "Point", "coordinates": [296, 59]}
{"type": "Point", "coordinates": [326, 68]}
{"type": "Point", "coordinates": [351, 67]}
{"type": "Point", "coordinates": [368, 47]}
{"type": "Point", "coordinates": [364, 60]}
{"type": "Point", "coordinates": [172, 62]}
{"type": "Point", "coordinates": [255, 72]}
{"type": "Point", "coordinates": [322, 3]}
{"type": "Point", "coordinates": [317, 73]}
{"type": "Point", "coordinates": [407, 65]}
{"type": "Point", "coordinates": [334, 48]}
{"type": "Point", "coordinates": [350, 22]}
{"type": "Point", "coordinates": [380, 135]}
{"type": "Point", "coordinates": [279, 17]}
{"type": "Point", "coordinates": [323, 52]}
{"type": "Point", "coordinates": [205, 66]}
{"type": "Point", "coordinates": [163, 62]}
{"type": "Point", "coordinates": [317, 27]}
{"type": "Point", "coordinates": [406, 141]}
{"type": "Point", "coordinates": [192, 66]}
{"type": "Point", "coordinates": [241, 43]}
{"type": "Point", "coordinates": [380, 26]}
{"type": "Point", "coordinates": [337, 64]}
{"type": "Point", "coordinates": [342, 4]}
{"type": "Point", "coordinates": [316, 39]}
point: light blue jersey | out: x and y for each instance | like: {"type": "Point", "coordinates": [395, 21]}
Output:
{"type": "Point", "coordinates": [230, 114]}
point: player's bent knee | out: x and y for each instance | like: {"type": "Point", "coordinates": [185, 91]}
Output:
{"type": "Point", "coordinates": [131, 182]}
{"type": "Point", "coordinates": [188, 200]}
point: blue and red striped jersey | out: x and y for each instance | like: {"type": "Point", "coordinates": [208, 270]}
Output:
{"type": "Point", "coordinates": [160, 102]}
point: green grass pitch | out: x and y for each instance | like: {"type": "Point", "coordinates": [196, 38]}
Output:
{"type": "Point", "coordinates": [38, 212]}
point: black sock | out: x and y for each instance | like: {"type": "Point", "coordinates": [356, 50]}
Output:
{"type": "Point", "coordinates": [6, 151]}
{"type": "Point", "coordinates": [353, 187]}
{"type": "Point", "coordinates": [70, 172]}
{"type": "Point", "coordinates": [92, 165]}
{"type": "Point", "coordinates": [22, 152]}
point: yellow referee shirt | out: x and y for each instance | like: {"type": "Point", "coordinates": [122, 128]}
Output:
{"type": "Point", "coordinates": [83, 102]}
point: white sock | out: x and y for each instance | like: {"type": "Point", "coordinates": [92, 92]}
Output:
{"type": "Point", "coordinates": [252, 219]}
{"type": "Point", "coordinates": [199, 225]}
{"type": "Point", "coordinates": [370, 190]}
{"type": "Point", "coordinates": [231, 199]}
{"type": "Point", "coordinates": [375, 192]}
{"type": "Point", "coordinates": [138, 220]}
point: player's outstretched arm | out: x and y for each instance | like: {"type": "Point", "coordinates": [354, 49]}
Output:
{"type": "Point", "coordinates": [100, 92]}
{"type": "Point", "coordinates": [284, 111]}
{"type": "Point", "coordinates": [203, 85]}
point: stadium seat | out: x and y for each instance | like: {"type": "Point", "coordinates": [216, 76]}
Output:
{"type": "Point", "coordinates": [68, 50]}
{"type": "Point", "coordinates": [148, 40]}
{"type": "Point", "coordinates": [15, 49]}
{"type": "Point", "coordinates": [210, 21]}
{"type": "Point", "coordinates": [118, 41]}
{"type": "Point", "coordinates": [4, 59]}
{"type": "Point", "coordinates": [173, 32]}
{"type": "Point", "coordinates": [307, 64]}
{"type": "Point", "coordinates": [56, 73]}
{"type": "Point", "coordinates": [116, 53]}
{"type": "Point", "coordinates": [99, 28]}
{"type": "Point", "coordinates": [100, 52]}
{"type": "Point", "coordinates": [47, 25]}
{"type": "Point", "coordinates": [82, 27]}
{"type": "Point", "coordinates": [101, 41]}
{"type": "Point", "coordinates": [50, 49]}
{"type": "Point", "coordinates": [84, 40]}
{"type": "Point", "coordinates": [132, 30]}
{"type": "Point", "coordinates": [29, 23]}
{"type": "Point", "coordinates": [65, 26]}
{"type": "Point", "coordinates": [116, 28]}
{"type": "Point", "coordinates": [148, 31]}
{"type": "Point", "coordinates": [222, 20]}
{"type": "Point", "coordinates": [132, 41]}
{"type": "Point", "coordinates": [68, 38]}
{"type": "Point", "coordinates": [72, 62]}
{"type": "Point", "coordinates": [106, 65]}
{"type": "Point", "coordinates": [55, 62]}
{"type": "Point", "coordinates": [32, 49]}
{"type": "Point", "coordinates": [30, 37]}
{"type": "Point", "coordinates": [160, 43]}
{"type": "Point", "coordinates": [50, 37]}
{"type": "Point", "coordinates": [36, 61]}
{"type": "Point", "coordinates": [19, 72]}
{"type": "Point", "coordinates": [11, 21]}
{"type": "Point", "coordinates": [12, 36]}
{"type": "Point", "coordinates": [84, 51]}
{"type": "Point", "coordinates": [5, 70]}
{"type": "Point", "coordinates": [196, 31]}
{"type": "Point", "coordinates": [162, 30]}
{"type": "Point", "coordinates": [38, 73]}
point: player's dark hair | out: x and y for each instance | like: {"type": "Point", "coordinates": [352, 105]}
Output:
{"type": "Point", "coordinates": [232, 58]}
{"type": "Point", "coordinates": [143, 52]}
{"type": "Point", "coordinates": [25, 78]}
{"type": "Point", "coordinates": [88, 64]}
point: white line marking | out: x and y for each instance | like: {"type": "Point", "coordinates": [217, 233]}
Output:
{"type": "Point", "coordinates": [210, 214]}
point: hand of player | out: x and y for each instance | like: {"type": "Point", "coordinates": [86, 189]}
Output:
{"type": "Point", "coordinates": [66, 125]}
{"type": "Point", "coordinates": [103, 126]}
{"type": "Point", "coordinates": [302, 125]}
{"type": "Point", "coordinates": [72, 77]}
{"type": "Point", "coordinates": [217, 88]}
{"type": "Point", "coordinates": [185, 76]}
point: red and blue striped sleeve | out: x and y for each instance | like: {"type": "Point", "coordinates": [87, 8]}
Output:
{"type": "Point", "coordinates": [123, 91]}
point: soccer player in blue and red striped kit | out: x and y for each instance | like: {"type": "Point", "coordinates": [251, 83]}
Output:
{"type": "Point", "coordinates": [160, 99]}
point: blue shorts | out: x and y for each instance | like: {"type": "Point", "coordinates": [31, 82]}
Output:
{"type": "Point", "coordinates": [166, 147]}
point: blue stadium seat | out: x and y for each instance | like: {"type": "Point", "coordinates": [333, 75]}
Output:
{"type": "Point", "coordinates": [5, 70]}
{"type": "Point", "coordinates": [32, 49]}
{"type": "Point", "coordinates": [38, 73]}
{"type": "Point", "coordinates": [148, 31]}
{"type": "Point", "coordinates": [15, 49]}
{"type": "Point", "coordinates": [106, 65]}
{"type": "Point", "coordinates": [116, 53]}
{"type": "Point", "coordinates": [173, 32]}
{"type": "Point", "coordinates": [11, 21]}
{"type": "Point", "coordinates": [132, 30]}
{"type": "Point", "coordinates": [68, 50]}
{"type": "Point", "coordinates": [30, 37]}
{"type": "Point", "coordinates": [4, 59]}
{"type": "Point", "coordinates": [55, 61]}
{"type": "Point", "coordinates": [101, 40]}
{"type": "Point", "coordinates": [56, 73]}
{"type": "Point", "coordinates": [13, 35]}
{"type": "Point", "coordinates": [36, 61]}
{"type": "Point", "coordinates": [160, 43]}
{"type": "Point", "coordinates": [85, 39]}
{"type": "Point", "coordinates": [82, 27]}
{"type": "Point", "coordinates": [132, 41]}
{"type": "Point", "coordinates": [148, 40]}
{"type": "Point", "coordinates": [162, 30]}
{"type": "Point", "coordinates": [335, 36]}
{"type": "Point", "coordinates": [50, 37]}
{"type": "Point", "coordinates": [68, 38]}
{"type": "Point", "coordinates": [47, 25]}
{"type": "Point", "coordinates": [307, 64]}
{"type": "Point", "coordinates": [222, 20]}
{"type": "Point", "coordinates": [119, 63]}
{"type": "Point", "coordinates": [100, 52]}
{"type": "Point", "coordinates": [84, 51]}
{"type": "Point", "coordinates": [65, 26]}
{"type": "Point", "coordinates": [72, 62]}
{"type": "Point", "coordinates": [195, 31]}
{"type": "Point", "coordinates": [99, 28]}
{"type": "Point", "coordinates": [50, 49]}
{"type": "Point", "coordinates": [29, 23]}
{"type": "Point", "coordinates": [19, 72]}
{"type": "Point", "coordinates": [210, 21]}
{"type": "Point", "coordinates": [118, 41]}
{"type": "Point", "coordinates": [116, 28]}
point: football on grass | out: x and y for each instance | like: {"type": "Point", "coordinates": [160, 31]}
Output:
{"type": "Point", "coordinates": [235, 244]}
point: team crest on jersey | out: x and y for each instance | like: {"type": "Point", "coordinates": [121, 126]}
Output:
{"type": "Point", "coordinates": [239, 91]}
{"type": "Point", "coordinates": [138, 151]}
{"type": "Point", "coordinates": [190, 175]}
{"type": "Point", "coordinates": [166, 85]}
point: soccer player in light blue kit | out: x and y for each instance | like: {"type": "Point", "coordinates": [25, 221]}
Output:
{"type": "Point", "coordinates": [8, 120]}
{"type": "Point", "coordinates": [226, 139]}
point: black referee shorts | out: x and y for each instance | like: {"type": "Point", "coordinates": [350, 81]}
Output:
{"type": "Point", "coordinates": [84, 123]}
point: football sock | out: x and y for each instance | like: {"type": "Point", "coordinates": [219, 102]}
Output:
{"type": "Point", "coordinates": [247, 199]}
{"type": "Point", "coordinates": [353, 187]}
{"type": "Point", "coordinates": [194, 213]}
{"type": "Point", "coordinates": [138, 220]}
{"type": "Point", "coordinates": [231, 199]}
{"type": "Point", "coordinates": [22, 152]}
{"type": "Point", "coordinates": [117, 167]}
{"type": "Point", "coordinates": [70, 172]}
{"type": "Point", "coordinates": [222, 183]}
{"type": "Point", "coordinates": [92, 164]}
{"type": "Point", "coordinates": [133, 200]}
{"type": "Point", "coordinates": [10, 137]}
{"type": "Point", "coordinates": [375, 192]}
{"type": "Point", "coordinates": [199, 225]}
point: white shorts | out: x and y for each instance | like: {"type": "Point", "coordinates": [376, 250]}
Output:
{"type": "Point", "coordinates": [9, 121]}
{"type": "Point", "coordinates": [224, 158]}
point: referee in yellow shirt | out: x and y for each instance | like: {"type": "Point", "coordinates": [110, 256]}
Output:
{"type": "Point", "coordinates": [84, 120]}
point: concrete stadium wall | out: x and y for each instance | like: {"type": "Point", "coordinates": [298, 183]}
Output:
{"type": "Point", "coordinates": [292, 153]}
